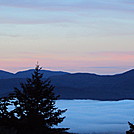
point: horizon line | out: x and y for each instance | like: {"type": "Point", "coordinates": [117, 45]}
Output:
{"type": "Point", "coordinates": [124, 69]}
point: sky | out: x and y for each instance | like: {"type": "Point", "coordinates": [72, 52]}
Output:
{"type": "Point", "coordinates": [94, 36]}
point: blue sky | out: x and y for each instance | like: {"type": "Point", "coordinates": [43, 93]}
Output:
{"type": "Point", "coordinates": [71, 35]}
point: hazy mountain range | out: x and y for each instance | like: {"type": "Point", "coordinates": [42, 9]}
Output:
{"type": "Point", "coordinates": [77, 85]}
{"type": "Point", "coordinates": [27, 74]}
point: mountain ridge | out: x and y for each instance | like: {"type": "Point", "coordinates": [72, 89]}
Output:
{"type": "Point", "coordinates": [83, 85]}
{"type": "Point", "coordinates": [63, 72]}
{"type": "Point", "coordinates": [28, 73]}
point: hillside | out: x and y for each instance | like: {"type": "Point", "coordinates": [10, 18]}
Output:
{"type": "Point", "coordinates": [98, 87]}
{"type": "Point", "coordinates": [28, 73]}
{"type": "Point", "coordinates": [84, 85]}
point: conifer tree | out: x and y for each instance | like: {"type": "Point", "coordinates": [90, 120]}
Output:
{"type": "Point", "coordinates": [5, 115]}
{"type": "Point", "coordinates": [36, 102]}
{"type": "Point", "coordinates": [34, 107]}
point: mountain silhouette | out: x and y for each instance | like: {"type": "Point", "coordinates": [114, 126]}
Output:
{"type": "Point", "coordinates": [28, 73]}
{"type": "Point", "coordinates": [48, 73]}
{"type": "Point", "coordinates": [81, 85]}
{"type": "Point", "coordinates": [6, 75]}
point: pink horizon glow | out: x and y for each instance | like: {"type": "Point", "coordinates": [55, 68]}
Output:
{"type": "Point", "coordinates": [91, 62]}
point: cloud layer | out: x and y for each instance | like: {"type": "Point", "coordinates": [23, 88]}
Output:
{"type": "Point", "coordinates": [68, 34]}
{"type": "Point", "coordinates": [69, 5]}
{"type": "Point", "coordinates": [62, 8]}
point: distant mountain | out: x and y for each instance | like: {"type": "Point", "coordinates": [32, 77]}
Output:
{"type": "Point", "coordinates": [6, 75]}
{"type": "Point", "coordinates": [83, 85]}
{"type": "Point", "coordinates": [27, 74]}
{"type": "Point", "coordinates": [98, 87]}
{"type": "Point", "coordinates": [47, 73]}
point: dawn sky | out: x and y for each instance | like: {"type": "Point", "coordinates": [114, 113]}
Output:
{"type": "Point", "coordinates": [71, 35]}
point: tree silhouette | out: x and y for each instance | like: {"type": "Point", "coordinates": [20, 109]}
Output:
{"type": "Point", "coordinates": [131, 130]}
{"type": "Point", "coordinates": [34, 105]}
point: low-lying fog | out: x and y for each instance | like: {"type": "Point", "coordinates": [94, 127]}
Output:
{"type": "Point", "coordinates": [102, 117]}
{"type": "Point", "coordinates": [90, 116]}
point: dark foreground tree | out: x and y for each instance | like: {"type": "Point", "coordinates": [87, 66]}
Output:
{"type": "Point", "coordinates": [35, 110]}
{"type": "Point", "coordinates": [131, 130]}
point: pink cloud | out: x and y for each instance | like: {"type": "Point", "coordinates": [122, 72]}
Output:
{"type": "Point", "coordinates": [99, 61]}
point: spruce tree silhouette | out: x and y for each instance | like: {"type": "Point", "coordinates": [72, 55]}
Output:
{"type": "Point", "coordinates": [35, 110]}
